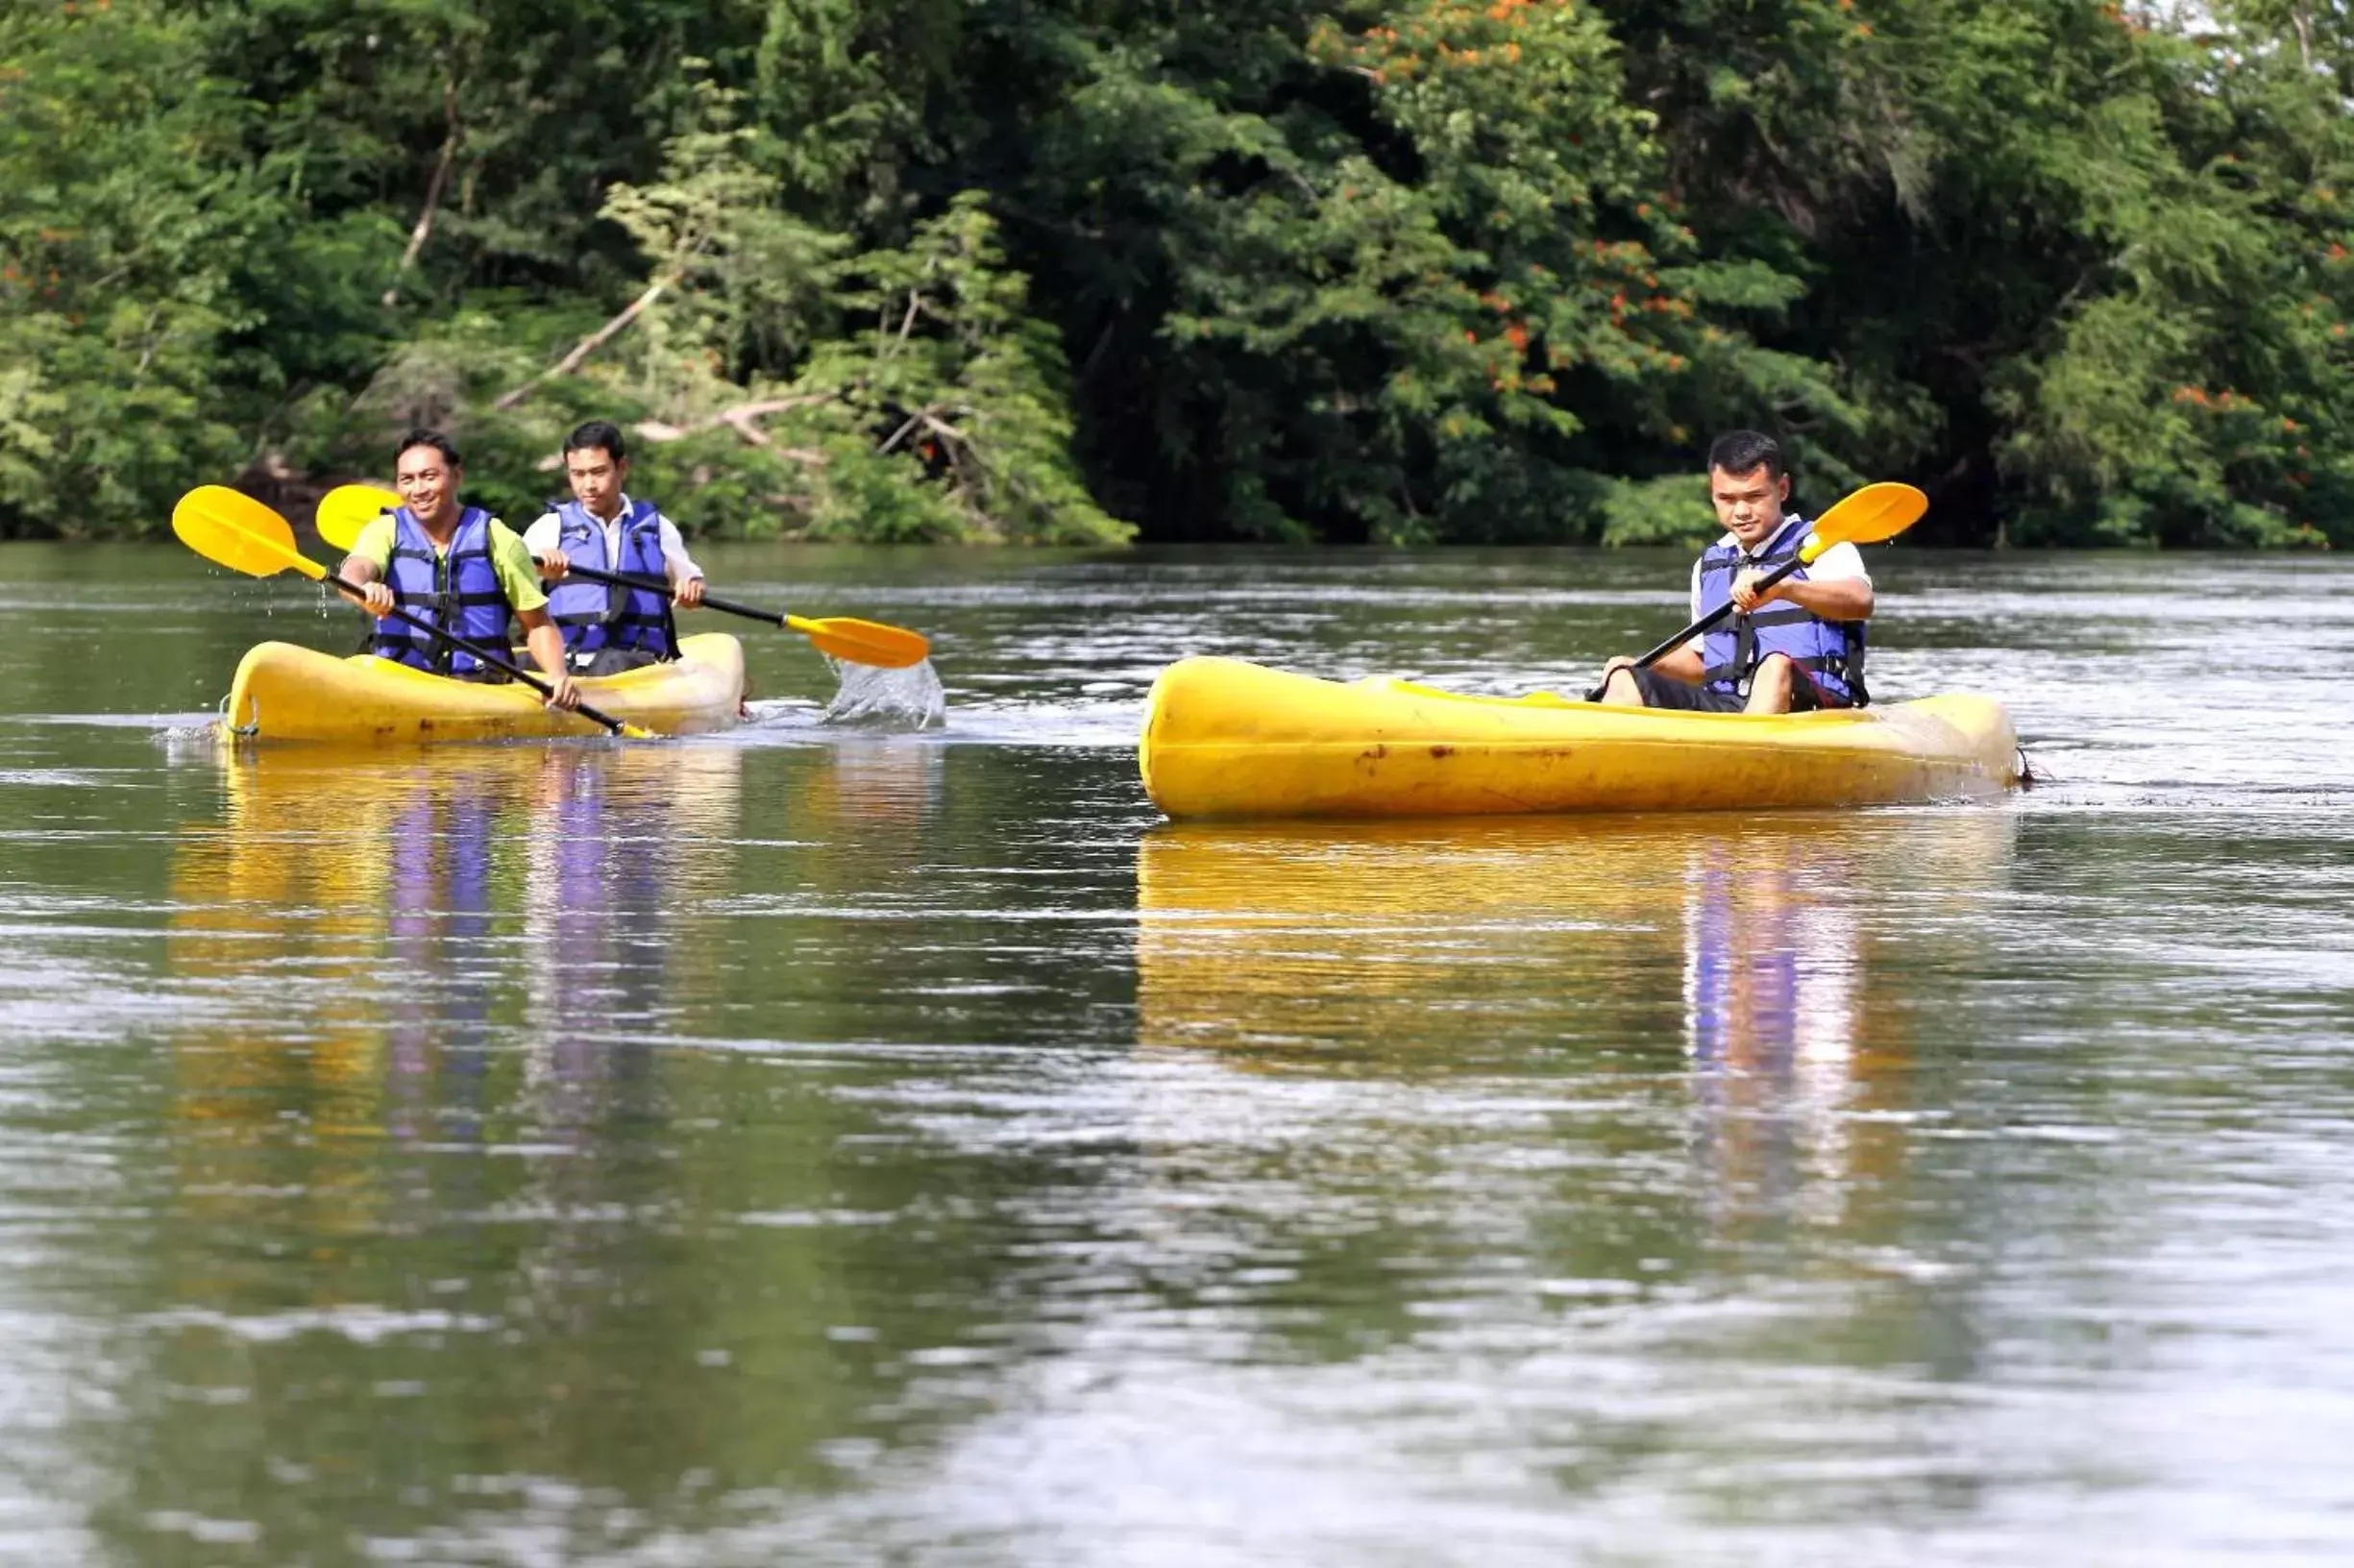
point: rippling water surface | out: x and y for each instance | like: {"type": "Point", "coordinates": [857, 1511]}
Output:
{"type": "Point", "coordinates": [820, 1146]}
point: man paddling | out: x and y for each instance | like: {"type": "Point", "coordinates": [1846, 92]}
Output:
{"type": "Point", "coordinates": [1789, 646]}
{"type": "Point", "coordinates": [608, 627]}
{"type": "Point", "coordinates": [455, 566]}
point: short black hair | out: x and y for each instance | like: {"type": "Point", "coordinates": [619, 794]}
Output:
{"type": "Point", "coordinates": [1742, 451]}
{"type": "Point", "coordinates": [596, 433]}
{"type": "Point", "coordinates": [439, 442]}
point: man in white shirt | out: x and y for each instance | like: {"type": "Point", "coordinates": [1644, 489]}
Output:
{"type": "Point", "coordinates": [1789, 647]}
{"type": "Point", "coordinates": [606, 628]}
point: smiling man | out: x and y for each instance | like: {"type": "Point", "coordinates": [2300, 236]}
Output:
{"type": "Point", "coordinates": [455, 566]}
{"type": "Point", "coordinates": [1786, 649]}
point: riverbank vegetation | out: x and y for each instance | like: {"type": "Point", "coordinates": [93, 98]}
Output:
{"type": "Point", "coordinates": [1068, 270]}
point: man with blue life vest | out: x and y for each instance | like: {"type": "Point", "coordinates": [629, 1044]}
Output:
{"type": "Point", "coordinates": [1792, 647]}
{"type": "Point", "coordinates": [452, 565]}
{"type": "Point", "coordinates": [608, 627]}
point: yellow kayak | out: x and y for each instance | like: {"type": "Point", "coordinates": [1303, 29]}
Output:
{"type": "Point", "coordinates": [285, 693]}
{"type": "Point", "coordinates": [1224, 737]}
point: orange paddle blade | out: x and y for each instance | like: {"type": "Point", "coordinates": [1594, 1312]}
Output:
{"type": "Point", "coordinates": [1875, 512]}
{"type": "Point", "coordinates": [863, 642]}
{"type": "Point", "coordinates": [233, 530]}
{"type": "Point", "coordinates": [348, 508]}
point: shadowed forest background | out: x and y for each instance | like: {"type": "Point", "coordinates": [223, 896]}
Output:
{"type": "Point", "coordinates": [1076, 271]}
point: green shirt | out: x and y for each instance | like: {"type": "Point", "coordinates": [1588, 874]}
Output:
{"type": "Point", "coordinates": [518, 574]}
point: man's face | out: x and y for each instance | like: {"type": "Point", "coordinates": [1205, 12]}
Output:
{"type": "Point", "coordinates": [597, 477]}
{"type": "Point", "coordinates": [429, 484]}
{"type": "Point", "coordinates": [1749, 504]}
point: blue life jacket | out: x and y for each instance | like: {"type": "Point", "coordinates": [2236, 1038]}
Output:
{"type": "Point", "coordinates": [1829, 653]}
{"type": "Point", "coordinates": [598, 615]}
{"type": "Point", "coordinates": [458, 592]}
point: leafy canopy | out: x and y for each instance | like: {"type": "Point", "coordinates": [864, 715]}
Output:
{"type": "Point", "coordinates": [1063, 271]}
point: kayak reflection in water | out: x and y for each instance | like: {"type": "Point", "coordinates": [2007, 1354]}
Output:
{"type": "Point", "coordinates": [1790, 647]}
{"type": "Point", "coordinates": [608, 627]}
{"type": "Point", "coordinates": [438, 930]}
{"type": "Point", "coordinates": [1775, 1015]}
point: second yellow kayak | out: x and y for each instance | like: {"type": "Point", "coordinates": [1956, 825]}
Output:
{"type": "Point", "coordinates": [285, 693]}
{"type": "Point", "coordinates": [1228, 739]}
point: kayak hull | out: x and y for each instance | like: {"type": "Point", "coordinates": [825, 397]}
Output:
{"type": "Point", "coordinates": [285, 693]}
{"type": "Point", "coordinates": [1228, 739]}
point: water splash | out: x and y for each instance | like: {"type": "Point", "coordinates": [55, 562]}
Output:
{"type": "Point", "coordinates": [909, 699]}
{"type": "Point", "coordinates": [187, 744]}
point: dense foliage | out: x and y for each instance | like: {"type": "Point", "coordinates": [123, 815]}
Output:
{"type": "Point", "coordinates": [1066, 270]}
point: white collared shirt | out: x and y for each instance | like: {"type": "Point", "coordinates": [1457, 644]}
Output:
{"type": "Point", "coordinates": [548, 533]}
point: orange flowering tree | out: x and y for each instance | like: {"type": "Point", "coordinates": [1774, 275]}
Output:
{"type": "Point", "coordinates": [1417, 282]}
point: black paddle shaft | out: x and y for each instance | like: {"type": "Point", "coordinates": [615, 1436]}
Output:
{"type": "Point", "coordinates": [496, 660]}
{"type": "Point", "coordinates": [1700, 625]}
{"type": "Point", "coordinates": [624, 579]}
{"type": "Point", "coordinates": [1712, 618]}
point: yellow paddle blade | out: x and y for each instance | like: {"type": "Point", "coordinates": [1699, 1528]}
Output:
{"type": "Point", "coordinates": [1872, 514]}
{"type": "Point", "coordinates": [863, 642]}
{"type": "Point", "coordinates": [234, 529]}
{"type": "Point", "coordinates": [348, 508]}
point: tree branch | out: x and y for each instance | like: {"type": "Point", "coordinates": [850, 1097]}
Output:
{"type": "Point", "coordinates": [739, 419]}
{"type": "Point", "coordinates": [899, 434]}
{"type": "Point", "coordinates": [450, 143]}
{"type": "Point", "coordinates": [588, 345]}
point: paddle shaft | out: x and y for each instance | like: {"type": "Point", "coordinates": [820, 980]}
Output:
{"type": "Point", "coordinates": [1712, 618]}
{"type": "Point", "coordinates": [653, 585]}
{"type": "Point", "coordinates": [496, 660]}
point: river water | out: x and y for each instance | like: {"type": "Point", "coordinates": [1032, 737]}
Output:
{"type": "Point", "coordinates": [837, 1146]}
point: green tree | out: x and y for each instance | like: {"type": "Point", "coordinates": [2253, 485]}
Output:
{"type": "Point", "coordinates": [1399, 270]}
{"type": "Point", "coordinates": [122, 226]}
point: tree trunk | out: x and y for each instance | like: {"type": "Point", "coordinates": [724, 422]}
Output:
{"type": "Point", "coordinates": [450, 144]}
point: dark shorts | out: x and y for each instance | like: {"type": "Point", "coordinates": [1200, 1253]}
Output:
{"type": "Point", "coordinates": [1667, 692]}
{"type": "Point", "coordinates": [610, 661]}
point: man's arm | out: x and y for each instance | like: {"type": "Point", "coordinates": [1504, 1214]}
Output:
{"type": "Point", "coordinates": [1836, 599]}
{"type": "Point", "coordinates": [1837, 587]}
{"type": "Point", "coordinates": [686, 577]}
{"type": "Point", "coordinates": [519, 580]}
{"type": "Point", "coordinates": [518, 574]}
{"type": "Point", "coordinates": [547, 645]}
{"type": "Point", "coordinates": [1684, 663]}
{"type": "Point", "coordinates": [365, 565]}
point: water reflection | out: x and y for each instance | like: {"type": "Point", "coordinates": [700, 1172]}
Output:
{"type": "Point", "coordinates": [879, 780]}
{"type": "Point", "coordinates": [1475, 1192]}
{"type": "Point", "coordinates": [418, 1114]}
{"type": "Point", "coordinates": [1798, 1016]}
{"type": "Point", "coordinates": [395, 902]}
{"type": "Point", "coordinates": [1764, 948]}
{"type": "Point", "coordinates": [439, 840]}
{"type": "Point", "coordinates": [617, 856]}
